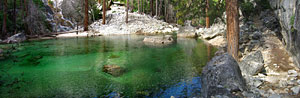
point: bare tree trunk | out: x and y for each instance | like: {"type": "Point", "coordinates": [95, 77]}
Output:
{"type": "Point", "coordinates": [139, 6]}
{"type": "Point", "coordinates": [166, 12]}
{"type": "Point", "coordinates": [151, 8]}
{"type": "Point", "coordinates": [207, 14]}
{"type": "Point", "coordinates": [232, 27]}
{"type": "Point", "coordinates": [127, 6]}
{"type": "Point", "coordinates": [55, 16]}
{"type": "Point", "coordinates": [4, 19]}
{"type": "Point", "coordinates": [26, 8]}
{"type": "Point", "coordinates": [15, 16]}
{"type": "Point", "coordinates": [160, 8]}
{"type": "Point", "coordinates": [86, 16]}
{"type": "Point", "coordinates": [143, 6]}
{"type": "Point", "coordinates": [156, 7]}
{"type": "Point", "coordinates": [104, 12]}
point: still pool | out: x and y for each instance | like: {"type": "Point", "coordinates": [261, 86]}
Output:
{"type": "Point", "coordinates": [72, 67]}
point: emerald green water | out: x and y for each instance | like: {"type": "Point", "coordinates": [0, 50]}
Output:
{"type": "Point", "coordinates": [72, 67]}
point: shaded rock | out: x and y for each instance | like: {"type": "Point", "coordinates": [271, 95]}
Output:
{"type": "Point", "coordinates": [221, 76]}
{"type": "Point", "coordinates": [160, 40]}
{"type": "Point", "coordinates": [20, 37]}
{"type": "Point", "coordinates": [187, 35]}
{"type": "Point", "coordinates": [256, 36]}
{"type": "Point", "coordinates": [295, 89]}
{"type": "Point", "coordinates": [113, 70]}
{"type": "Point", "coordinates": [252, 63]}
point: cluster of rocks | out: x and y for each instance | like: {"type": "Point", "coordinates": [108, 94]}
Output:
{"type": "Point", "coordinates": [138, 24]}
{"type": "Point", "coordinates": [250, 38]}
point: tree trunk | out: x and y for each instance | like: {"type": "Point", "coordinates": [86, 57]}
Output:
{"type": "Point", "coordinates": [26, 8]}
{"type": "Point", "coordinates": [104, 12]}
{"type": "Point", "coordinates": [4, 19]}
{"type": "Point", "coordinates": [142, 6]}
{"type": "Point", "coordinates": [207, 15]}
{"type": "Point", "coordinates": [166, 12]}
{"type": "Point", "coordinates": [151, 8]}
{"type": "Point", "coordinates": [160, 7]}
{"type": "Point", "coordinates": [232, 27]}
{"type": "Point", "coordinates": [139, 6]}
{"type": "Point", "coordinates": [156, 7]}
{"type": "Point", "coordinates": [127, 6]}
{"type": "Point", "coordinates": [15, 16]}
{"type": "Point", "coordinates": [86, 15]}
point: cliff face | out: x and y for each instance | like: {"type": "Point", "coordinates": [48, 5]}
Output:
{"type": "Point", "coordinates": [288, 14]}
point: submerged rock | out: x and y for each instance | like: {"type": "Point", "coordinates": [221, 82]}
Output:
{"type": "Point", "coordinates": [1, 54]}
{"type": "Point", "coordinates": [20, 37]}
{"type": "Point", "coordinates": [221, 76]}
{"type": "Point", "coordinates": [113, 70]}
{"type": "Point", "coordinates": [252, 63]}
{"type": "Point", "coordinates": [187, 35]}
{"type": "Point", "coordinates": [159, 40]}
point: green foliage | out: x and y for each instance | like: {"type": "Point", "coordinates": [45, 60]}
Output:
{"type": "Point", "coordinates": [292, 20]}
{"type": "Point", "coordinates": [96, 12]}
{"type": "Point", "coordinates": [50, 2]}
{"type": "Point", "coordinates": [39, 3]}
{"type": "Point", "coordinates": [265, 4]}
{"type": "Point", "coordinates": [247, 7]}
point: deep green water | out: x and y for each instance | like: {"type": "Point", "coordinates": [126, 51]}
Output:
{"type": "Point", "coordinates": [72, 67]}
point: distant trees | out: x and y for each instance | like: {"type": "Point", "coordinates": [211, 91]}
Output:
{"type": "Point", "coordinates": [232, 27]}
{"type": "Point", "coordinates": [86, 15]}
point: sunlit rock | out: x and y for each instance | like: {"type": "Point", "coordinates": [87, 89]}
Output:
{"type": "Point", "coordinates": [162, 40]}
{"type": "Point", "coordinates": [187, 35]}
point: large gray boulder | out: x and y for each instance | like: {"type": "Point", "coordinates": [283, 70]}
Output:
{"type": "Point", "coordinates": [252, 63]}
{"type": "Point", "coordinates": [221, 76]}
{"type": "Point", "coordinates": [74, 9]}
{"type": "Point", "coordinates": [35, 20]}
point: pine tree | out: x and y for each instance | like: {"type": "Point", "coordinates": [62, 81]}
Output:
{"type": "Point", "coordinates": [127, 6]}
{"type": "Point", "coordinates": [156, 8]}
{"type": "Point", "coordinates": [104, 12]}
{"type": "Point", "coordinates": [4, 30]}
{"type": "Point", "coordinates": [86, 16]}
{"type": "Point", "coordinates": [207, 14]}
{"type": "Point", "coordinates": [232, 27]}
